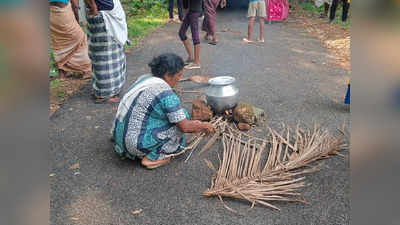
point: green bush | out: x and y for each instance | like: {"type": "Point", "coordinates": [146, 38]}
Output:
{"type": "Point", "coordinates": [138, 7]}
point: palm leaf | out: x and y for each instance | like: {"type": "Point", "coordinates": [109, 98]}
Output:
{"type": "Point", "coordinates": [263, 171]}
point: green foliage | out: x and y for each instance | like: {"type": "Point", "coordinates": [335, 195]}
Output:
{"type": "Point", "coordinates": [149, 15]}
{"type": "Point", "coordinates": [56, 83]}
{"type": "Point", "coordinates": [140, 7]}
{"type": "Point", "coordinates": [60, 94]}
{"type": "Point", "coordinates": [316, 11]}
{"type": "Point", "coordinates": [53, 67]}
{"type": "Point", "coordinates": [310, 6]}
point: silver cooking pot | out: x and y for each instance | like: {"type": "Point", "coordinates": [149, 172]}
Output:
{"type": "Point", "coordinates": [222, 94]}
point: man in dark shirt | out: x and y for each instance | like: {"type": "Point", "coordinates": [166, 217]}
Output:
{"type": "Point", "coordinates": [192, 20]}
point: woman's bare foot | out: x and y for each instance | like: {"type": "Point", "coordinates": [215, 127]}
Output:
{"type": "Point", "coordinates": [146, 162]}
{"type": "Point", "coordinates": [206, 37]}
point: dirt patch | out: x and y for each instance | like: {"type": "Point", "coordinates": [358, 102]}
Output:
{"type": "Point", "coordinates": [60, 90]}
{"type": "Point", "coordinates": [333, 36]}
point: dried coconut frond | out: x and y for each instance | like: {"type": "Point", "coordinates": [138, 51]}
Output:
{"type": "Point", "coordinates": [243, 172]}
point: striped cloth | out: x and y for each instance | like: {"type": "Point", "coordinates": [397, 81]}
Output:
{"type": "Point", "coordinates": [108, 59]}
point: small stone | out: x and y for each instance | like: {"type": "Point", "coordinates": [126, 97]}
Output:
{"type": "Point", "coordinates": [201, 111]}
{"type": "Point", "coordinates": [244, 126]}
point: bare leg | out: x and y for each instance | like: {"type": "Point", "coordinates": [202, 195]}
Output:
{"type": "Point", "coordinates": [197, 54]}
{"type": "Point", "coordinates": [250, 28]}
{"type": "Point", "coordinates": [215, 38]}
{"type": "Point", "coordinates": [206, 37]}
{"type": "Point", "coordinates": [261, 28]}
{"type": "Point", "coordinates": [326, 10]}
{"type": "Point", "coordinates": [188, 48]}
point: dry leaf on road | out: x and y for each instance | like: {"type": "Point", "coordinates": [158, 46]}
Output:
{"type": "Point", "coordinates": [134, 212]}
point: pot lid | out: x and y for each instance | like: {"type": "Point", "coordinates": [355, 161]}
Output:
{"type": "Point", "coordinates": [222, 80]}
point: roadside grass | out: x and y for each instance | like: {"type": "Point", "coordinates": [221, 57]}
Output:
{"type": "Point", "coordinates": [55, 83]}
{"type": "Point", "coordinates": [316, 11]}
{"type": "Point", "coordinates": [142, 24]}
{"type": "Point", "coordinates": [53, 71]}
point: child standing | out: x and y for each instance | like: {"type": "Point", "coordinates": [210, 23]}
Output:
{"type": "Point", "coordinates": [256, 9]}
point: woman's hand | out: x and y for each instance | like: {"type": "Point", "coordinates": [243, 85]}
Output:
{"type": "Point", "coordinates": [94, 11]}
{"type": "Point", "coordinates": [208, 128]}
{"type": "Point", "coordinates": [194, 126]}
{"type": "Point", "coordinates": [93, 7]}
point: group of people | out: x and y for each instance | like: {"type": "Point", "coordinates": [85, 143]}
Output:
{"type": "Point", "coordinates": [100, 53]}
{"type": "Point", "coordinates": [150, 123]}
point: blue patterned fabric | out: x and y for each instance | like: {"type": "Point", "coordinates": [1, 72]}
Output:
{"type": "Point", "coordinates": [149, 128]}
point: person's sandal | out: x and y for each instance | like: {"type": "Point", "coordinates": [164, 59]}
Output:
{"type": "Point", "coordinates": [261, 41]}
{"type": "Point", "coordinates": [146, 162]}
{"type": "Point", "coordinates": [192, 66]}
{"type": "Point", "coordinates": [247, 41]}
{"type": "Point", "coordinates": [213, 42]}
{"type": "Point", "coordinates": [187, 62]}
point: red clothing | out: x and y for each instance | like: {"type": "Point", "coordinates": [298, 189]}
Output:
{"type": "Point", "coordinates": [277, 10]}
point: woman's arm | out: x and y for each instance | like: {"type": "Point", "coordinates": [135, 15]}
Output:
{"type": "Point", "coordinates": [93, 7]}
{"type": "Point", "coordinates": [195, 126]}
{"type": "Point", "coordinates": [75, 8]}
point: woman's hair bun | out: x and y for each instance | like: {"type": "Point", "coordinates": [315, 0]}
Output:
{"type": "Point", "coordinates": [167, 63]}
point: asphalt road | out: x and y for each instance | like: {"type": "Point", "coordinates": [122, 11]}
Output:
{"type": "Point", "coordinates": [290, 76]}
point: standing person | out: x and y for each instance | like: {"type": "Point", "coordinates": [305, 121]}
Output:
{"type": "Point", "coordinates": [335, 3]}
{"type": "Point", "coordinates": [277, 10]}
{"type": "Point", "coordinates": [256, 9]}
{"type": "Point", "coordinates": [69, 42]}
{"type": "Point", "coordinates": [108, 34]}
{"type": "Point", "coordinates": [151, 123]}
{"type": "Point", "coordinates": [171, 9]}
{"type": "Point", "coordinates": [210, 11]}
{"type": "Point", "coordinates": [192, 20]}
{"type": "Point", "coordinates": [326, 3]}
